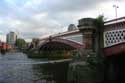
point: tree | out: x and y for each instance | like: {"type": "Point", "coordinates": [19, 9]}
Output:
{"type": "Point", "coordinates": [20, 43]}
{"type": "Point", "coordinates": [99, 23]}
{"type": "Point", "coordinates": [96, 61]}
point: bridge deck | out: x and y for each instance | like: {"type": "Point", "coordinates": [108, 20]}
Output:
{"type": "Point", "coordinates": [114, 37]}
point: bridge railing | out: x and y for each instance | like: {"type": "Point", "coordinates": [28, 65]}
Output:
{"type": "Point", "coordinates": [114, 37]}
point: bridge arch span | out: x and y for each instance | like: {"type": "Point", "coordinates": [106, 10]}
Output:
{"type": "Point", "coordinates": [59, 43]}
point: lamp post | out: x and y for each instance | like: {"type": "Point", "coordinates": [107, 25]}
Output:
{"type": "Point", "coordinates": [116, 7]}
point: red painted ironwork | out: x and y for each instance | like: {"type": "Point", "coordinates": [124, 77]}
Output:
{"type": "Point", "coordinates": [115, 49]}
{"type": "Point", "coordinates": [64, 41]}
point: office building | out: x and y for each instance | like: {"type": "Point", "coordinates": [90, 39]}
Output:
{"type": "Point", "coordinates": [11, 38]}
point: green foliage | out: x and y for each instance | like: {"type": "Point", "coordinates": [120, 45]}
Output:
{"type": "Point", "coordinates": [99, 21]}
{"type": "Point", "coordinates": [20, 43]}
{"type": "Point", "coordinates": [96, 62]}
{"type": "Point", "coordinates": [96, 66]}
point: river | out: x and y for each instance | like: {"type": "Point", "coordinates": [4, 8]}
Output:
{"type": "Point", "coordinates": [17, 68]}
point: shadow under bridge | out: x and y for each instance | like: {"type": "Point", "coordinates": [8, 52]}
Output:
{"type": "Point", "coordinates": [53, 44]}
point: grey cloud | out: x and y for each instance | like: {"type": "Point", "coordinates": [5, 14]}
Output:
{"type": "Point", "coordinates": [69, 5]}
{"type": "Point", "coordinates": [31, 27]}
{"type": "Point", "coordinates": [30, 35]}
{"type": "Point", "coordinates": [60, 13]}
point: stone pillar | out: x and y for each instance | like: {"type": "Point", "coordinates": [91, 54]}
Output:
{"type": "Point", "coordinates": [87, 27]}
{"type": "Point", "coordinates": [88, 39]}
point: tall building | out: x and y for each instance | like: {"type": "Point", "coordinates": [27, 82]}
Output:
{"type": "Point", "coordinates": [11, 38]}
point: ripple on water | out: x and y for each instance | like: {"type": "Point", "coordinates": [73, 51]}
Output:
{"type": "Point", "coordinates": [17, 68]}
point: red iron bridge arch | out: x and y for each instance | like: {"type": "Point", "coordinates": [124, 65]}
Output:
{"type": "Point", "coordinates": [54, 43]}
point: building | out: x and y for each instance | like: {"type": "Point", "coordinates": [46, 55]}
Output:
{"type": "Point", "coordinates": [11, 38]}
{"type": "Point", "coordinates": [4, 46]}
{"type": "Point", "coordinates": [72, 27]}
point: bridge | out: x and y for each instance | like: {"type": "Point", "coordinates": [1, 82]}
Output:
{"type": "Point", "coordinates": [69, 40]}
{"type": "Point", "coordinates": [114, 37]}
{"type": "Point", "coordinates": [114, 48]}
{"type": "Point", "coordinates": [110, 43]}
{"type": "Point", "coordinates": [86, 37]}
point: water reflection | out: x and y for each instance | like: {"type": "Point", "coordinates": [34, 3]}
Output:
{"type": "Point", "coordinates": [17, 68]}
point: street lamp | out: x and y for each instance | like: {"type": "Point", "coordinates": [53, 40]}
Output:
{"type": "Point", "coordinates": [116, 7]}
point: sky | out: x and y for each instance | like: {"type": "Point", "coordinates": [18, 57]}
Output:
{"type": "Point", "coordinates": [41, 18]}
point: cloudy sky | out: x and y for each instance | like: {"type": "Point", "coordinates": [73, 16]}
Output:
{"type": "Point", "coordinates": [40, 18]}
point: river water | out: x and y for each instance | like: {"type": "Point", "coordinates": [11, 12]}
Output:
{"type": "Point", "coordinates": [17, 68]}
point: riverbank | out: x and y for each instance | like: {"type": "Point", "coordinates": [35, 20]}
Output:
{"type": "Point", "coordinates": [79, 71]}
{"type": "Point", "coordinates": [4, 51]}
{"type": "Point", "coordinates": [48, 55]}
{"type": "Point", "coordinates": [73, 71]}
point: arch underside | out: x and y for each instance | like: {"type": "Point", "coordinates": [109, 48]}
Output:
{"type": "Point", "coordinates": [60, 44]}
